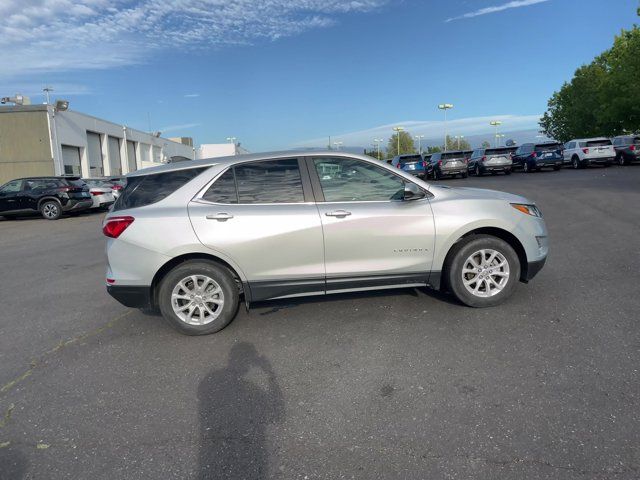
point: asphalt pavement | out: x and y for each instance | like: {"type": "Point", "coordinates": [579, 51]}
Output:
{"type": "Point", "coordinates": [401, 384]}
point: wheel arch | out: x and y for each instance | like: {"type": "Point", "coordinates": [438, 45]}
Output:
{"type": "Point", "coordinates": [175, 261]}
{"type": "Point", "coordinates": [500, 233]}
{"type": "Point", "coordinates": [47, 198]}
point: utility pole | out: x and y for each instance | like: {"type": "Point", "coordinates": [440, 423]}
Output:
{"type": "Point", "coordinates": [445, 107]}
{"type": "Point", "coordinates": [398, 130]}
{"type": "Point", "coordinates": [419, 137]}
{"type": "Point", "coordinates": [496, 123]}
{"type": "Point", "coordinates": [377, 142]}
{"type": "Point", "coordinates": [46, 91]}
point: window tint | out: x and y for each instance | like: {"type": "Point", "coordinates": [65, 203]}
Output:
{"type": "Point", "coordinates": [223, 189]}
{"type": "Point", "coordinates": [548, 147]}
{"type": "Point", "coordinates": [452, 155]}
{"type": "Point", "coordinates": [41, 184]}
{"type": "Point", "coordinates": [11, 187]}
{"type": "Point", "coordinates": [272, 181]}
{"type": "Point", "coordinates": [350, 180]}
{"type": "Point", "coordinates": [599, 143]}
{"type": "Point", "coordinates": [148, 189]}
{"type": "Point", "coordinates": [410, 158]}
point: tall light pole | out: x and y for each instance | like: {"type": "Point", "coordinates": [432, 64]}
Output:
{"type": "Point", "coordinates": [337, 144]}
{"type": "Point", "coordinates": [46, 91]}
{"type": "Point", "coordinates": [496, 123]}
{"type": "Point", "coordinates": [445, 107]}
{"type": "Point", "coordinates": [419, 137]}
{"type": "Point", "coordinates": [377, 142]}
{"type": "Point", "coordinates": [398, 130]}
{"type": "Point", "coordinates": [499, 137]}
{"type": "Point", "coordinates": [231, 139]}
{"type": "Point", "coordinates": [458, 138]}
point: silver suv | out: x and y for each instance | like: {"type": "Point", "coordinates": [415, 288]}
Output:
{"type": "Point", "coordinates": [193, 238]}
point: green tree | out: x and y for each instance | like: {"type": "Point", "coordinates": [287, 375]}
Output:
{"type": "Point", "coordinates": [433, 149]}
{"type": "Point", "coordinates": [406, 144]}
{"type": "Point", "coordinates": [486, 144]}
{"type": "Point", "coordinates": [374, 153]}
{"type": "Point", "coordinates": [603, 98]}
{"type": "Point", "coordinates": [457, 144]}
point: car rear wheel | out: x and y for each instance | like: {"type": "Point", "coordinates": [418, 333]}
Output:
{"type": "Point", "coordinates": [51, 210]}
{"type": "Point", "coordinates": [198, 297]}
{"type": "Point", "coordinates": [576, 163]}
{"type": "Point", "coordinates": [507, 172]}
{"type": "Point", "coordinates": [482, 271]}
{"type": "Point", "coordinates": [556, 167]}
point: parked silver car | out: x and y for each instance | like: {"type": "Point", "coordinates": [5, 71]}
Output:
{"type": "Point", "coordinates": [101, 193]}
{"type": "Point", "coordinates": [193, 238]}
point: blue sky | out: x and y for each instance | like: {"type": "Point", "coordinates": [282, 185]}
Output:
{"type": "Point", "coordinates": [279, 74]}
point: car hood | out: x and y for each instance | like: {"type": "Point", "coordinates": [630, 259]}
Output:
{"type": "Point", "coordinates": [482, 193]}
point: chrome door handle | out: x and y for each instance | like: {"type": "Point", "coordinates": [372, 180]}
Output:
{"type": "Point", "coordinates": [221, 217]}
{"type": "Point", "coordinates": [338, 213]}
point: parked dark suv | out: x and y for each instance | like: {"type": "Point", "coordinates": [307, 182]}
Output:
{"type": "Point", "coordinates": [49, 196]}
{"type": "Point", "coordinates": [536, 156]}
{"type": "Point", "coordinates": [627, 149]}
{"type": "Point", "coordinates": [448, 164]}
{"type": "Point", "coordinates": [411, 163]}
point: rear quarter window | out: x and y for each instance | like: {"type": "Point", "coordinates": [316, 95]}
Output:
{"type": "Point", "coordinates": [147, 189]}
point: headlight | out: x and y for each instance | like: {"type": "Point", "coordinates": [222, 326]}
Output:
{"type": "Point", "coordinates": [528, 209]}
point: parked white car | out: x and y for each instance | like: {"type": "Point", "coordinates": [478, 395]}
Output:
{"type": "Point", "coordinates": [101, 193]}
{"type": "Point", "coordinates": [583, 152]}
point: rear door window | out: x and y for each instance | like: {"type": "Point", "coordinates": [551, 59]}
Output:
{"type": "Point", "coordinates": [223, 189]}
{"type": "Point", "coordinates": [147, 189]}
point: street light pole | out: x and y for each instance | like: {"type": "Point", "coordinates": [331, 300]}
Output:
{"type": "Point", "coordinates": [337, 144]}
{"type": "Point", "coordinates": [419, 137]}
{"type": "Point", "coordinates": [496, 123]}
{"type": "Point", "coordinates": [46, 91]}
{"type": "Point", "coordinates": [445, 107]}
{"type": "Point", "coordinates": [377, 141]}
{"type": "Point", "coordinates": [398, 130]}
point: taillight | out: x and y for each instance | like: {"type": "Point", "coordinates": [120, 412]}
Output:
{"type": "Point", "coordinates": [632, 148]}
{"type": "Point", "coordinates": [117, 187]}
{"type": "Point", "coordinates": [439, 163]}
{"type": "Point", "coordinates": [534, 155]}
{"type": "Point", "coordinates": [114, 226]}
{"type": "Point", "coordinates": [94, 193]}
{"type": "Point", "coordinates": [585, 150]}
{"type": "Point", "coordinates": [424, 164]}
{"type": "Point", "coordinates": [484, 157]}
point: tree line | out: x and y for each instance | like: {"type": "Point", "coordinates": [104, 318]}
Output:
{"type": "Point", "coordinates": [603, 97]}
{"type": "Point", "coordinates": [408, 146]}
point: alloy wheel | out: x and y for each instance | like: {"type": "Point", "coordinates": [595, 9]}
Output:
{"type": "Point", "coordinates": [197, 300]}
{"type": "Point", "coordinates": [50, 210]}
{"type": "Point", "coordinates": [485, 273]}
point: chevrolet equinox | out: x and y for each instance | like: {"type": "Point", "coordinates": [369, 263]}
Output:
{"type": "Point", "coordinates": [193, 238]}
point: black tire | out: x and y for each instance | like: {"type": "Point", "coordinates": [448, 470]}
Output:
{"type": "Point", "coordinates": [51, 210]}
{"type": "Point", "coordinates": [575, 162]}
{"type": "Point", "coordinates": [556, 167]}
{"type": "Point", "coordinates": [458, 255]}
{"type": "Point", "coordinates": [464, 175]}
{"type": "Point", "coordinates": [493, 172]}
{"type": "Point", "coordinates": [216, 272]}
{"type": "Point", "coordinates": [607, 164]}
{"type": "Point", "coordinates": [507, 172]}
{"type": "Point", "coordinates": [437, 175]}
{"type": "Point", "coordinates": [477, 171]}
{"type": "Point", "coordinates": [526, 168]}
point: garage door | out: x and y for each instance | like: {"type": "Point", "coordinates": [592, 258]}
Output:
{"type": "Point", "coordinates": [71, 160]}
{"type": "Point", "coordinates": [94, 152]}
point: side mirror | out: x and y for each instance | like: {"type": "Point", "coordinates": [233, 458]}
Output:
{"type": "Point", "coordinates": [412, 192]}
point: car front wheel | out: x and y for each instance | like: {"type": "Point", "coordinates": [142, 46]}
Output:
{"type": "Point", "coordinates": [482, 271]}
{"type": "Point", "coordinates": [198, 297]}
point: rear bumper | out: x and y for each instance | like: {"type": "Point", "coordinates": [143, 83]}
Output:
{"type": "Point", "coordinates": [598, 160]}
{"type": "Point", "coordinates": [496, 168]}
{"type": "Point", "coordinates": [77, 205]}
{"type": "Point", "coordinates": [134, 297]}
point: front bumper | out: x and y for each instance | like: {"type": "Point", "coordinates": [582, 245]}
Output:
{"type": "Point", "coordinates": [131, 296]}
{"type": "Point", "coordinates": [533, 268]}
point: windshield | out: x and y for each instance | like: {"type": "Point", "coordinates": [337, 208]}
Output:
{"type": "Point", "coordinates": [451, 155]}
{"type": "Point", "coordinates": [599, 143]}
{"type": "Point", "coordinates": [548, 147]}
{"type": "Point", "coordinates": [412, 158]}
{"type": "Point", "coordinates": [498, 151]}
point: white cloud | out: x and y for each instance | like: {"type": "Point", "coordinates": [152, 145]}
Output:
{"type": "Point", "coordinates": [497, 8]}
{"type": "Point", "coordinates": [433, 130]}
{"type": "Point", "coordinates": [176, 128]}
{"type": "Point", "coordinates": [61, 35]}
{"type": "Point", "coordinates": [191, 95]}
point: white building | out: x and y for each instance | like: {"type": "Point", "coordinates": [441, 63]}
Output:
{"type": "Point", "coordinates": [214, 150]}
{"type": "Point", "coordinates": [43, 140]}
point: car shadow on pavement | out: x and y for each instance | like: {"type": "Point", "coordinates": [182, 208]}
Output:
{"type": "Point", "coordinates": [235, 412]}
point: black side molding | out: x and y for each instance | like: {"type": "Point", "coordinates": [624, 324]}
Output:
{"type": "Point", "coordinates": [134, 297]}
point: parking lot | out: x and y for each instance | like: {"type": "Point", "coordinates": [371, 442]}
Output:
{"type": "Point", "coordinates": [395, 384]}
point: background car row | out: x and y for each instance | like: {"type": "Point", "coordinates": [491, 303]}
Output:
{"type": "Point", "coordinates": [52, 197]}
{"type": "Point", "coordinates": [528, 157]}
